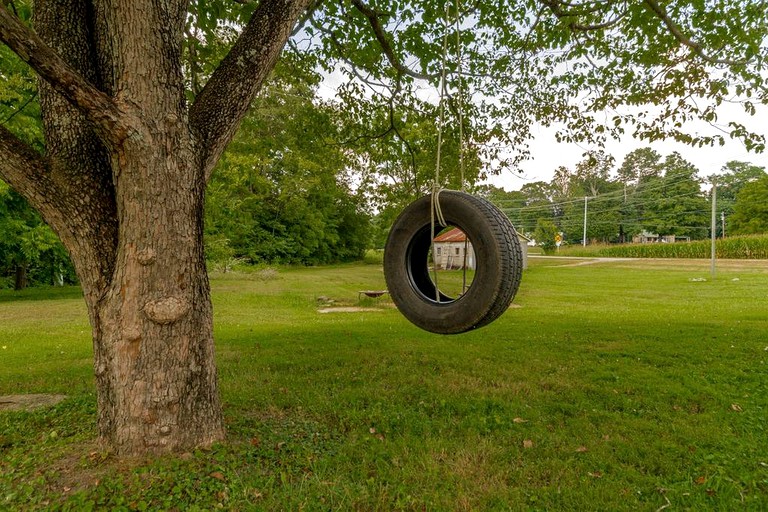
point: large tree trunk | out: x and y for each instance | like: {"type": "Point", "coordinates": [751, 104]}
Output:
{"type": "Point", "coordinates": [123, 185]}
{"type": "Point", "coordinates": [145, 282]}
{"type": "Point", "coordinates": [154, 352]}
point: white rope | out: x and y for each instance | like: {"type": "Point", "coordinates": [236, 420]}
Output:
{"type": "Point", "coordinates": [459, 70]}
{"type": "Point", "coordinates": [436, 213]}
{"type": "Point", "coordinates": [437, 209]}
{"type": "Point", "coordinates": [441, 116]}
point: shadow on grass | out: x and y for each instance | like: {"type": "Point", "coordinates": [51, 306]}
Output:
{"type": "Point", "coordinates": [42, 293]}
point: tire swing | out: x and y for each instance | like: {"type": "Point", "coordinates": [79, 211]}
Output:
{"type": "Point", "coordinates": [411, 244]}
{"type": "Point", "coordinates": [498, 267]}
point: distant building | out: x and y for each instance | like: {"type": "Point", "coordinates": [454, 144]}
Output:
{"type": "Point", "coordinates": [452, 250]}
{"type": "Point", "coordinates": [651, 238]}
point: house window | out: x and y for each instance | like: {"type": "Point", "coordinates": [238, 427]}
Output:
{"type": "Point", "coordinates": [439, 250]}
{"type": "Point", "coordinates": [457, 251]}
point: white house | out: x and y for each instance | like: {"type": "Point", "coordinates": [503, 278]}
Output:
{"type": "Point", "coordinates": [452, 247]}
{"type": "Point", "coordinates": [649, 238]}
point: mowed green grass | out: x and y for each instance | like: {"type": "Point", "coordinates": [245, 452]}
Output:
{"type": "Point", "coordinates": [626, 385]}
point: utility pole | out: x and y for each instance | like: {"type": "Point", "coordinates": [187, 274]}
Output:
{"type": "Point", "coordinates": [714, 223]}
{"type": "Point", "coordinates": [584, 240]}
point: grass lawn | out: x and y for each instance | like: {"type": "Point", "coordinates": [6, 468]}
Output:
{"type": "Point", "coordinates": [618, 385]}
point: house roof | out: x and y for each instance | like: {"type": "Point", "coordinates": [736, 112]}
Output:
{"type": "Point", "coordinates": [454, 235]}
{"type": "Point", "coordinates": [457, 235]}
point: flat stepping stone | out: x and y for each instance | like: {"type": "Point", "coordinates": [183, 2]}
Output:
{"type": "Point", "coordinates": [28, 402]}
{"type": "Point", "coordinates": [347, 310]}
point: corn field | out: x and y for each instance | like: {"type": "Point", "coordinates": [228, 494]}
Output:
{"type": "Point", "coordinates": [737, 247]}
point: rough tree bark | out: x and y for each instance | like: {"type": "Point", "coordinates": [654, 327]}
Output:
{"type": "Point", "coordinates": [122, 183]}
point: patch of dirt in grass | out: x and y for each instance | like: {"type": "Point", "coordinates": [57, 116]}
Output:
{"type": "Point", "coordinates": [82, 467]}
{"type": "Point", "coordinates": [347, 309]}
{"type": "Point", "coordinates": [28, 402]}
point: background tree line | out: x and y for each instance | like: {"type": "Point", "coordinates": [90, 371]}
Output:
{"type": "Point", "coordinates": [647, 193]}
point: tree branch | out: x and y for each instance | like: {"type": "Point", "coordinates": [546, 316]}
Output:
{"type": "Point", "coordinates": [556, 6]}
{"type": "Point", "coordinates": [97, 107]}
{"type": "Point", "coordinates": [306, 17]}
{"type": "Point", "coordinates": [226, 97]}
{"type": "Point", "coordinates": [381, 37]}
{"type": "Point", "coordinates": [353, 67]}
{"type": "Point", "coordinates": [23, 168]}
{"type": "Point", "coordinates": [675, 30]}
{"type": "Point", "coordinates": [64, 203]}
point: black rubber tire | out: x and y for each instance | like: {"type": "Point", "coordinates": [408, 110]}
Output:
{"type": "Point", "coordinates": [498, 267]}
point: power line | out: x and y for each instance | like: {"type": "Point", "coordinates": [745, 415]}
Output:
{"type": "Point", "coordinates": [648, 219]}
{"type": "Point", "coordinates": [599, 198]}
{"type": "Point", "coordinates": [628, 204]}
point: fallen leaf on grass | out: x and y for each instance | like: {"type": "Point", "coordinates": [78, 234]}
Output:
{"type": "Point", "coordinates": [596, 474]}
{"type": "Point", "coordinates": [527, 443]}
{"type": "Point", "coordinates": [519, 420]}
{"type": "Point", "coordinates": [736, 407]}
{"type": "Point", "coordinates": [98, 457]}
{"type": "Point", "coordinates": [581, 449]}
{"type": "Point", "coordinates": [700, 480]}
{"type": "Point", "coordinates": [218, 475]}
